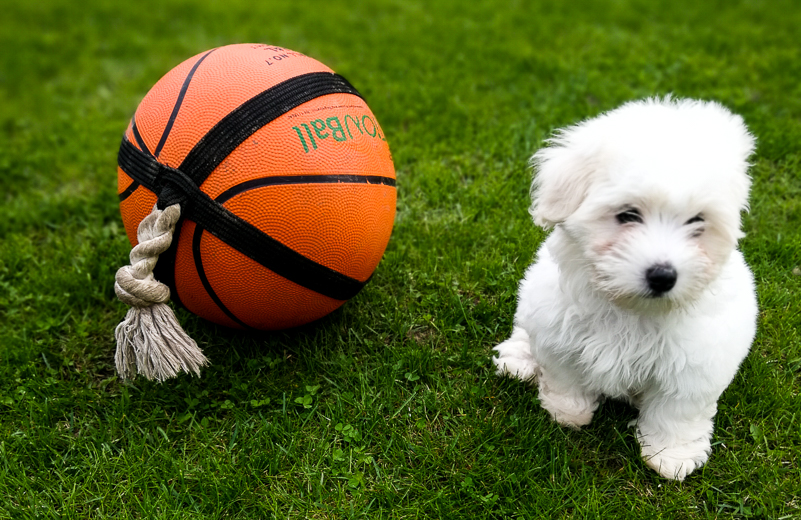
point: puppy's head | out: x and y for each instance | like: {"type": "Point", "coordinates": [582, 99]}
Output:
{"type": "Point", "coordinates": [649, 197]}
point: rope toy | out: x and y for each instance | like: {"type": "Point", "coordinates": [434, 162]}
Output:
{"type": "Point", "coordinates": [150, 341]}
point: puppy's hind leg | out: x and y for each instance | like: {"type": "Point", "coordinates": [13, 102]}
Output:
{"type": "Point", "coordinates": [514, 357]}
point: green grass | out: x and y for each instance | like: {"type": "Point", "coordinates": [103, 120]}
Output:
{"type": "Point", "coordinates": [388, 408]}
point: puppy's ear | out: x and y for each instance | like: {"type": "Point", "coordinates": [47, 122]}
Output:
{"type": "Point", "coordinates": [562, 178]}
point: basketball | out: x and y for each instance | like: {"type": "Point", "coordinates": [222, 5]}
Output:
{"type": "Point", "coordinates": [284, 179]}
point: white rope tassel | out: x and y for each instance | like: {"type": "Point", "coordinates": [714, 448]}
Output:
{"type": "Point", "coordinates": [150, 341]}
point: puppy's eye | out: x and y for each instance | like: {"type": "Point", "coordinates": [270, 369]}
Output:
{"type": "Point", "coordinates": [630, 215]}
{"type": "Point", "coordinates": [698, 218]}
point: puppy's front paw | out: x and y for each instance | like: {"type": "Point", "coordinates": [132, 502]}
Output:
{"type": "Point", "coordinates": [675, 462]}
{"type": "Point", "coordinates": [514, 357]}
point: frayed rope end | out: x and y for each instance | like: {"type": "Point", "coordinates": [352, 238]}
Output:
{"type": "Point", "coordinates": [151, 342]}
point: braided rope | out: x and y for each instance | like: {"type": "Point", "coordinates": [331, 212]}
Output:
{"type": "Point", "coordinates": [150, 341]}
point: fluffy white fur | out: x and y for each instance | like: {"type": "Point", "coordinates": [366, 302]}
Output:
{"type": "Point", "coordinates": [589, 324]}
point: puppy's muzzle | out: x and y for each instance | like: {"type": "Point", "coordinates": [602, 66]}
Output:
{"type": "Point", "coordinates": [661, 278]}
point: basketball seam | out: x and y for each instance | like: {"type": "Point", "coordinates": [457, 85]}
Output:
{"type": "Point", "coordinates": [139, 139]}
{"type": "Point", "coordinates": [178, 102]}
{"type": "Point", "coordinates": [285, 180]}
{"type": "Point", "coordinates": [201, 272]}
{"type": "Point", "coordinates": [127, 192]}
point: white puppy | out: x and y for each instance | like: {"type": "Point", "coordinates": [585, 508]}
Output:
{"type": "Point", "coordinates": [639, 293]}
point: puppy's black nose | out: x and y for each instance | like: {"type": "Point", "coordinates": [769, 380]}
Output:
{"type": "Point", "coordinates": [661, 278]}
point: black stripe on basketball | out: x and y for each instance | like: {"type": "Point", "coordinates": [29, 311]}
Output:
{"type": "Point", "coordinates": [253, 114]}
{"type": "Point", "coordinates": [138, 165]}
{"type": "Point", "coordinates": [260, 183]}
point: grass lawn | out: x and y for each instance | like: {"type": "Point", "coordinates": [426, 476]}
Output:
{"type": "Point", "coordinates": [389, 407]}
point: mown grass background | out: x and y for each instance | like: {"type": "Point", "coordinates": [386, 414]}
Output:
{"type": "Point", "coordinates": [388, 408]}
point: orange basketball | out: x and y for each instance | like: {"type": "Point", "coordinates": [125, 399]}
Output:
{"type": "Point", "coordinates": [285, 180]}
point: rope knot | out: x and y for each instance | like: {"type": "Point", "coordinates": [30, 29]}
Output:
{"type": "Point", "coordinates": [173, 187]}
{"type": "Point", "coordinates": [135, 284]}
